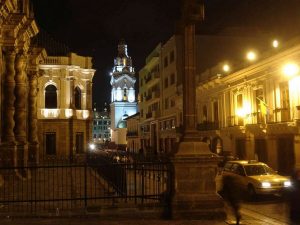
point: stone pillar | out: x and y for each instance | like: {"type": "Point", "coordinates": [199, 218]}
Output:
{"type": "Point", "coordinates": [20, 115]}
{"type": "Point", "coordinates": [195, 167]}
{"type": "Point", "coordinates": [297, 149]}
{"type": "Point", "coordinates": [250, 146]}
{"type": "Point", "coordinates": [33, 152]}
{"type": "Point", "coordinates": [72, 149]}
{"type": "Point", "coordinates": [9, 97]}
{"type": "Point", "coordinates": [195, 196]}
{"type": "Point", "coordinates": [8, 146]}
{"type": "Point", "coordinates": [272, 152]}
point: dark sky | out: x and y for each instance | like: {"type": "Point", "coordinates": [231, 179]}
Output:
{"type": "Point", "coordinates": [94, 27]}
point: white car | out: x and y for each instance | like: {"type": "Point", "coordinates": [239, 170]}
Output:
{"type": "Point", "coordinates": [256, 177]}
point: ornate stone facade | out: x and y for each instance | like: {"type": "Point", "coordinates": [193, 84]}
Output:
{"type": "Point", "coordinates": [17, 27]}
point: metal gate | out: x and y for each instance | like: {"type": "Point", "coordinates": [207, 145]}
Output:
{"type": "Point", "coordinates": [63, 185]}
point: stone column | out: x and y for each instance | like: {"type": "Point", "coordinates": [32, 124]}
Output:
{"type": "Point", "coordinates": [72, 149]}
{"type": "Point", "coordinates": [272, 151]}
{"type": "Point", "coordinates": [20, 115]}
{"type": "Point", "coordinates": [20, 103]}
{"type": "Point", "coordinates": [250, 146]}
{"type": "Point", "coordinates": [195, 195]}
{"type": "Point", "coordinates": [8, 146]}
{"type": "Point", "coordinates": [32, 118]}
{"type": "Point", "coordinates": [9, 97]}
{"type": "Point", "coordinates": [195, 167]}
{"type": "Point", "coordinates": [297, 149]}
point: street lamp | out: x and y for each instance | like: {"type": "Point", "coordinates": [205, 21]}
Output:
{"type": "Point", "coordinates": [290, 69]}
{"type": "Point", "coordinates": [251, 56]}
{"type": "Point", "coordinates": [275, 43]}
{"type": "Point", "coordinates": [226, 67]}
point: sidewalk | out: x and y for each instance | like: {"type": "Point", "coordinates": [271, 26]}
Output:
{"type": "Point", "coordinates": [249, 217]}
{"type": "Point", "coordinates": [114, 221]}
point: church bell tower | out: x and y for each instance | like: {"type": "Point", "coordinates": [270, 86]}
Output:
{"type": "Point", "coordinates": [123, 103]}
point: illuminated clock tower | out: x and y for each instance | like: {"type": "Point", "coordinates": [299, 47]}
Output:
{"type": "Point", "coordinates": [123, 103]}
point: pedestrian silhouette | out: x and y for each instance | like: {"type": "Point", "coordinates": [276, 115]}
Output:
{"type": "Point", "coordinates": [295, 197]}
{"type": "Point", "coordinates": [232, 194]}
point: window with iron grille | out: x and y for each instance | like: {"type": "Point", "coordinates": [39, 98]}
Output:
{"type": "Point", "coordinates": [50, 142]}
{"type": "Point", "coordinates": [79, 143]}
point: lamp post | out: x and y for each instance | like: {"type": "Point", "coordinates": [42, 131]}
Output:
{"type": "Point", "coordinates": [195, 166]}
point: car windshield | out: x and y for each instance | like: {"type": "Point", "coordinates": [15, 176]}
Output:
{"type": "Point", "coordinates": [254, 170]}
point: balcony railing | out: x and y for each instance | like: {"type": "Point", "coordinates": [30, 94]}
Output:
{"type": "Point", "coordinates": [50, 60]}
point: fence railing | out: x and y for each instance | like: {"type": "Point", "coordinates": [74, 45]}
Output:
{"type": "Point", "coordinates": [98, 182]}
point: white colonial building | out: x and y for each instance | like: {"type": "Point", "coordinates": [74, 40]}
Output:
{"type": "Point", "coordinates": [64, 105]}
{"type": "Point", "coordinates": [123, 102]}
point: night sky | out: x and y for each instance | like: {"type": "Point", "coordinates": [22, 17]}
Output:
{"type": "Point", "coordinates": [94, 27]}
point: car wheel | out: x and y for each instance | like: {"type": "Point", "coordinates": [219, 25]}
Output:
{"type": "Point", "coordinates": [251, 192]}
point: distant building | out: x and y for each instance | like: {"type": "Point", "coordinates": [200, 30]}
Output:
{"type": "Point", "coordinates": [133, 139]}
{"type": "Point", "coordinates": [123, 102]}
{"type": "Point", "coordinates": [101, 126]}
{"type": "Point", "coordinates": [64, 105]}
{"type": "Point", "coordinates": [160, 84]}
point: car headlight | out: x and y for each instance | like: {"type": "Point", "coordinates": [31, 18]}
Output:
{"type": "Point", "coordinates": [92, 146]}
{"type": "Point", "coordinates": [266, 184]}
{"type": "Point", "coordinates": [287, 183]}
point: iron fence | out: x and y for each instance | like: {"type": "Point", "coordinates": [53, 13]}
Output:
{"type": "Point", "coordinates": [98, 182]}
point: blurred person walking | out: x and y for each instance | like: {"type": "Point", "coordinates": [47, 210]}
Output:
{"type": "Point", "coordinates": [295, 197]}
{"type": "Point", "coordinates": [232, 194]}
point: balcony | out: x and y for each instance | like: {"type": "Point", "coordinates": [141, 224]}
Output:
{"type": "Point", "coordinates": [49, 113]}
{"type": "Point", "coordinates": [154, 96]}
{"type": "Point", "coordinates": [132, 134]}
{"type": "Point", "coordinates": [282, 114]}
{"type": "Point", "coordinates": [148, 115]}
{"type": "Point", "coordinates": [156, 114]}
{"type": "Point", "coordinates": [148, 97]}
{"type": "Point", "coordinates": [82, 114]}
{"type": "Point", "coordinates": [152, 78]}
{"type": "Point", "coordinates": [208, 126]}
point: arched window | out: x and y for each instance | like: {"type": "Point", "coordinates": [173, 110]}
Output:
{"type": "Point", "coordinates": [50, 97]}
{"type": "Point", "coordinates": [77, 98]}
{"type": "Point", "coordinates": [125, 94]}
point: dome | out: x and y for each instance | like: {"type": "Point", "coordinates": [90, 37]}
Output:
{"type": "Point", "coordinates": [122, 124]}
